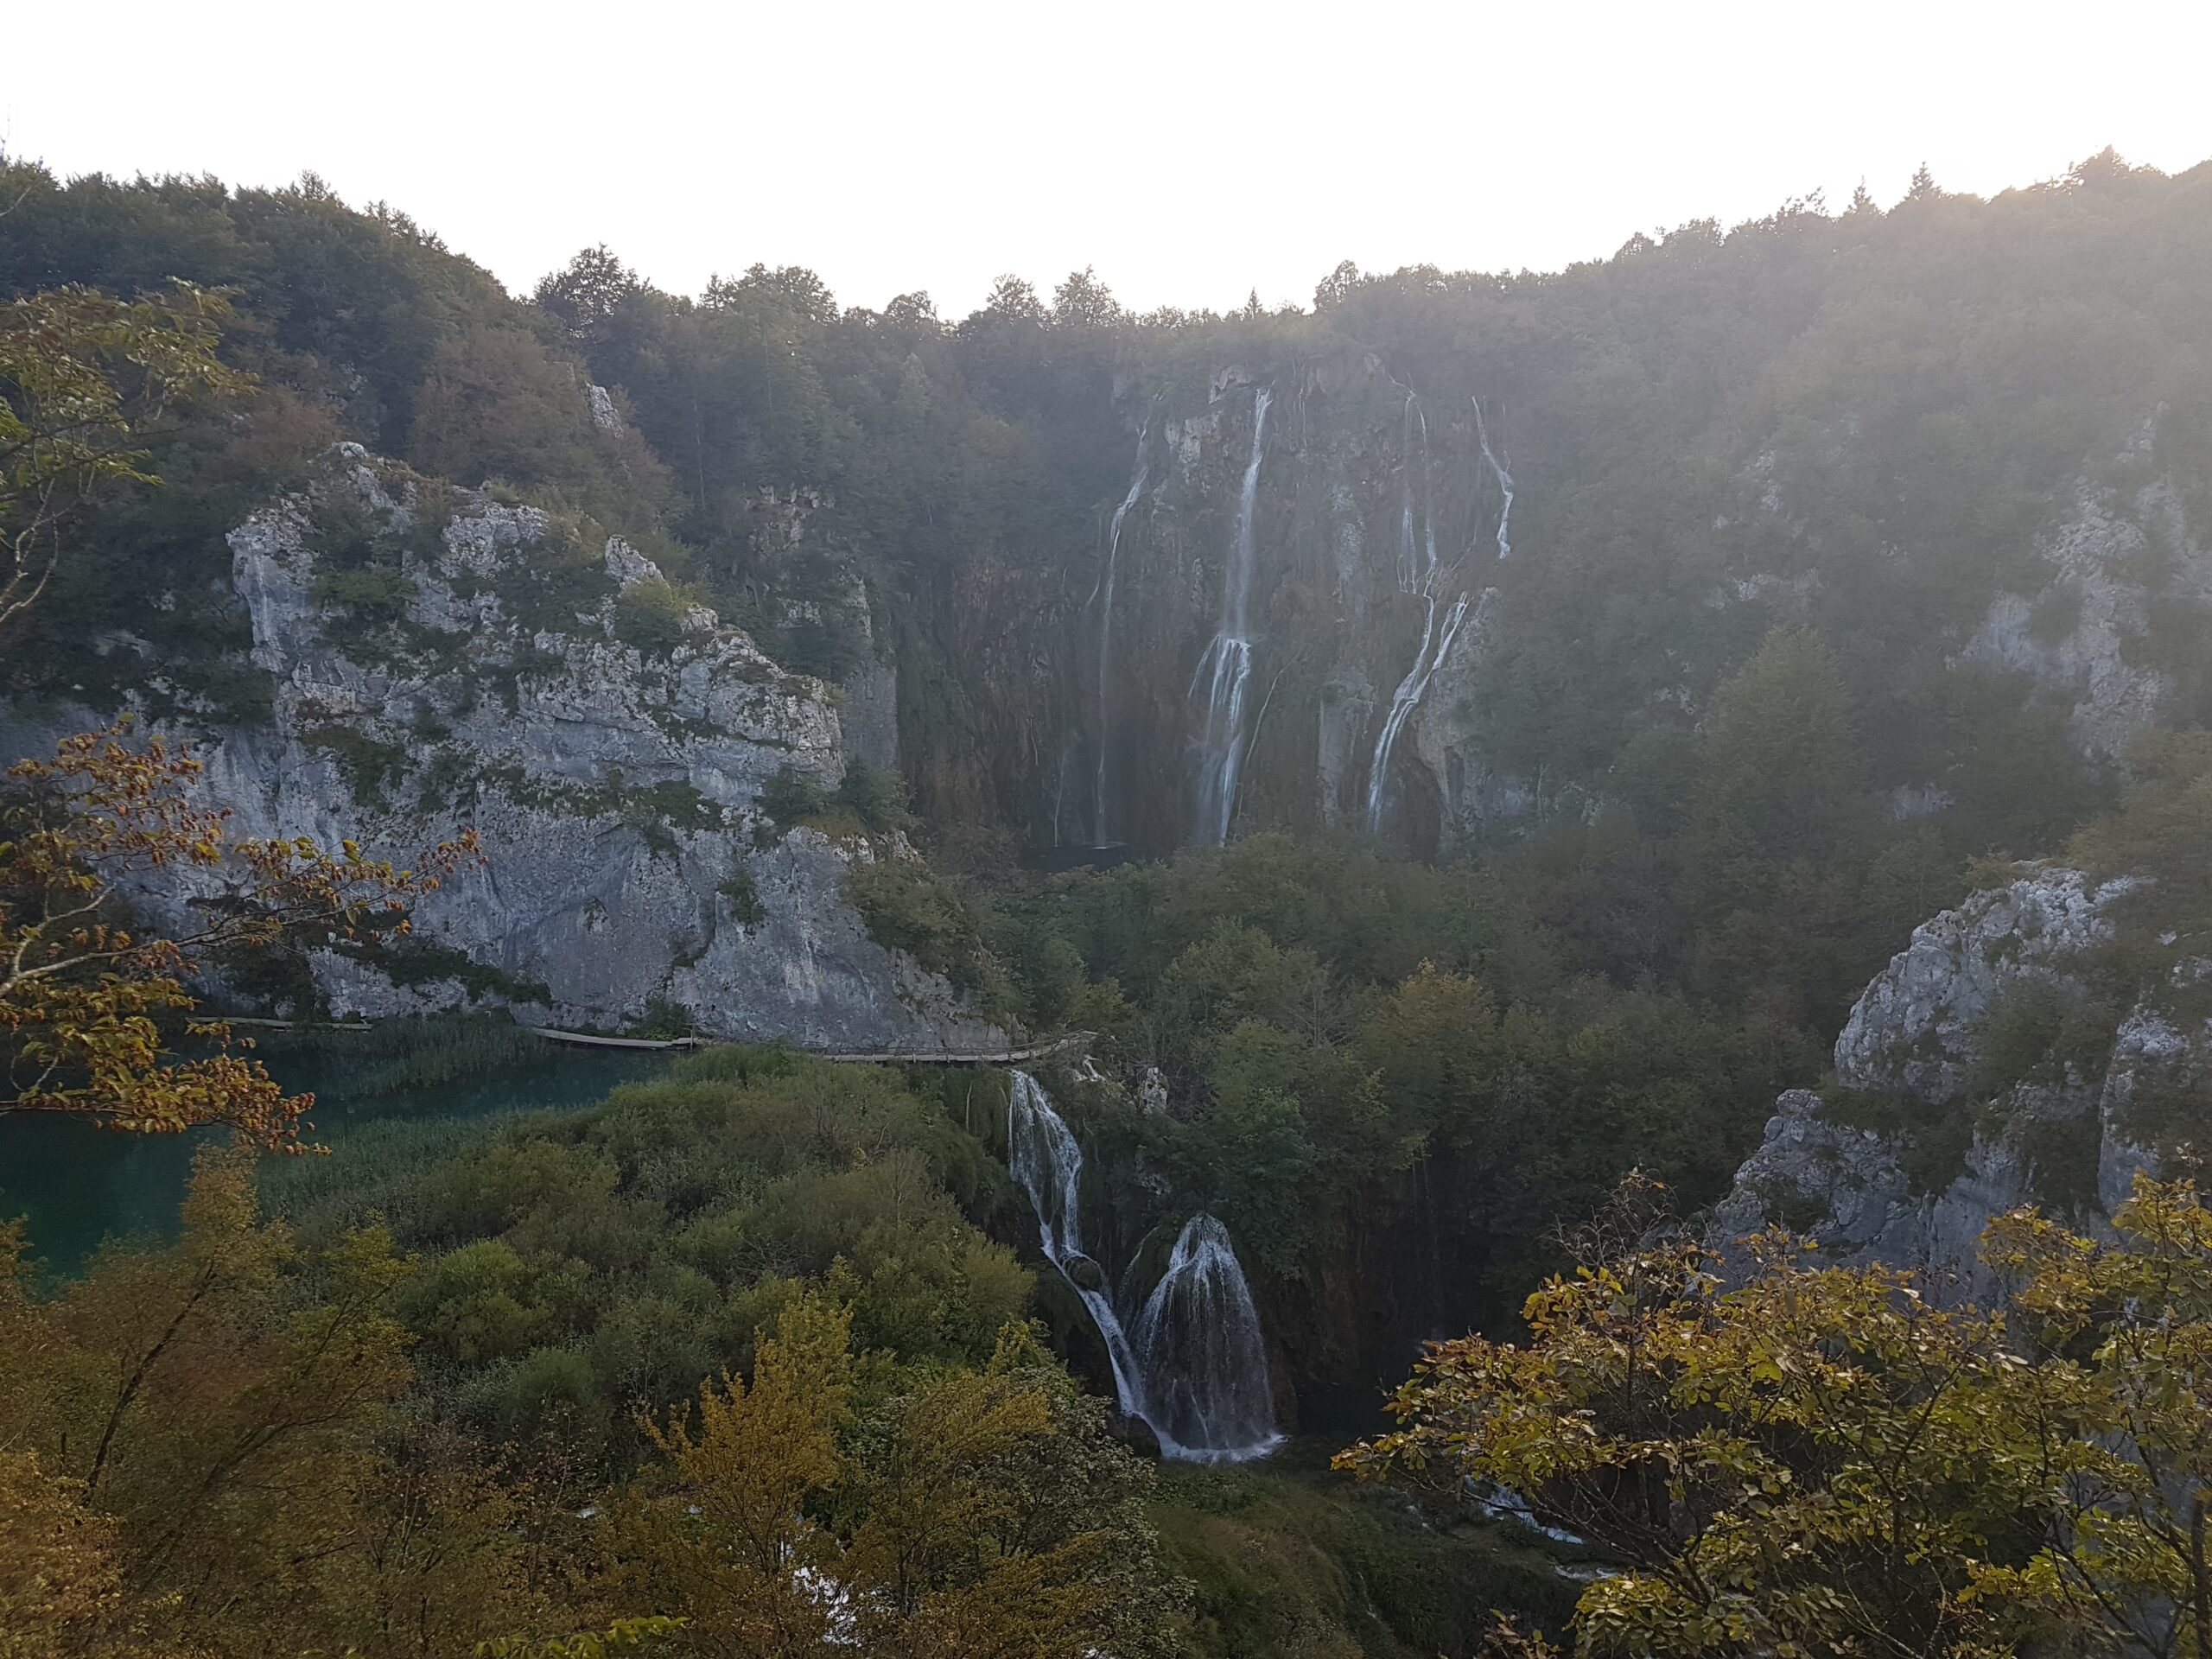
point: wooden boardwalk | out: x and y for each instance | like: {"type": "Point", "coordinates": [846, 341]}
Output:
{"type": "Point", "coordinates": [1074, 1039]}
{"type": "Point", "coordinates": [1073, 1042]}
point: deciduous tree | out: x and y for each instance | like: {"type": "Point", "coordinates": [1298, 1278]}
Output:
{"type": "Point", "coordinates": [80, 374]}
{"type": "Point", "coordinates": [1821, 1461]}
{"type": "Point", "coordinates": [90, 1002]}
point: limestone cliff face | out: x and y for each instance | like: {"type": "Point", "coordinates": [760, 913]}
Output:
{"type": "Point", "coordinates": [2117, 566]}
{"type": "Point", "coordinates": [1373, 527]}
{"type": "Point", "coordinates": [1914, 1041]}
{"type": "Point", "coordinates": [1069, 691]}
{"type": "Point", "coordinates": [615, 787]}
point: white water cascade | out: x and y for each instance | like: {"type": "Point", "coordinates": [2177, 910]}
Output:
{"type": "Point", "coordinates": [1226, 667]}
{"type": "Point", "coordinates": [1504, 481]}
{"type": "Point", "coordinates": [1042, 1154]}
{"type": "Point", "coordinates": [1102, 594]}
{"type": "Point", "coordinates": [1435, 645]}
{"type": "Point", "coordinates": [1195, 1371]}
{"type": "Point", "coordinates": [1206, 1375]}
{"type": "Point", "coordinates": [1416, 554]}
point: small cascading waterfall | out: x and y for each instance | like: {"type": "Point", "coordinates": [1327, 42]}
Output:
{"type": "Point", "coordinates": [1195, 1371]}
{"type": "Point", "coordinates": [1225, 669]}
{"type": "Point", "coordinates": [1043, 1156]}
{"type": "Point", "coordinates": [1102, 595]}
{"type": "Point", "coordinates": [1416, 554]}
{"type": "Point", "coordinates": [1504, 481]}
{"type": "Point", "coordinates": [1435, 645]}
{"type": "Point", "coordinates": [1208, 1395]}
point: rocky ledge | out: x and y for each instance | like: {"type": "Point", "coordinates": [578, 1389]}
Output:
{"type": "Point", "coordinates": [440, 659]}
{"type": "Point", "coordinates": [1924, 1136]}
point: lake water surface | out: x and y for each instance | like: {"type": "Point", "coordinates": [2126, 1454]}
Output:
{"type": "Point", "coordinates": [75, 1186]}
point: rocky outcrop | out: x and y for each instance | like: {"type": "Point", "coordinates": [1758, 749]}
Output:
{"type": "Point", "coordinates": [1913, 1029]}
{"type": "Point", "coordinates": [2086, 632]}
{"type": "Point", "coordinates": [1860, 1168]}
{"type": "Point", "coordinates": [451, 660]}
{"type": "Point", "coordinates": [1848, 1188]}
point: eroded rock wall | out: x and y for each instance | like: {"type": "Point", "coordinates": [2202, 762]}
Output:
{"type": "Point", "coordinates": [615, 787]}
{"type": "Point", "coordinates": [1914, 1046]}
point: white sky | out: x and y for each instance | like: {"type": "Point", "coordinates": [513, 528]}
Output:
{"type": "Point", "coordinates": [1188, 151]}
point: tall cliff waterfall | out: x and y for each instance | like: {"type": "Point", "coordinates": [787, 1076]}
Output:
{"type": "Point", "coordinates": [1436, 641]}
{"type": "Point", "coordinates": [1225, 669]}
{"type": "Point", "coordinates": [1504, 481]}
{"type": "Point", "coordinates": [1102, 595]}
{"type": "Point", "coordinates": [1435, 645]}
{"type": "Point", "coordinates": [1416, 553]}
{"type": "Point", "coordinates": [1196, 1369]}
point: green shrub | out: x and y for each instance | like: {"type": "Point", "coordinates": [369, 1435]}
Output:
{"type": "Point", "coordinates": [551, 1392]}
{"type": "Point", "coordinates": [556, 580]}
{"type": "Point", "coordinates": [649, 616]}
{"type": "Point", "coordinates": [828, 648]}
{"type": "Point", "coordinates": [2040, 1031]}
{"type": "Point", "coordinates": [791, 796]}
{"type": "Point", "coordinates": [366, 765]}
{"type": "Point", "coordinates": [344, 531]}
{"type": "Point", "coordinates": [878, 799]}
{"type": "Point", "coordinates": [743, 896]}
{"type": "Point", "coordinates": [374, 593]}
{"type": "Point", "coordinates": [909, 907]}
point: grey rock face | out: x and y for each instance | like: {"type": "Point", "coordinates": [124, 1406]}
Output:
{"type": "Point", "coordinates": [1845, 1187]}
{"type": "Point", "coordinates": [2109, 565]}
{"type": "Point", "coordinates": [1912, 1037]}
{"type": "Point", "coordinates": [1910, 1031]}
{"type": "Point", "coordinates": [614, 789]}
{"type": "Point", "coordinates": [1811, 1172]}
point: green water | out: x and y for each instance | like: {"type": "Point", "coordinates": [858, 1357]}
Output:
{"type": "Point", "coordinates": [75, 1186]}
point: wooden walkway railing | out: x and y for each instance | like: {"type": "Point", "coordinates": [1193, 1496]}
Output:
{"type": "Point", "coordinates": [1072, 1041]}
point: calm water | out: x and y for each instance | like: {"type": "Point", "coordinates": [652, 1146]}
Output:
{"type": "Point", "coordinates": [75, 1186]}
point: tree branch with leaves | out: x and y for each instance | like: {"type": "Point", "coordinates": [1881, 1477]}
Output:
{"type": "Point", "coordinates": [90, 1002]}
{"type": "Point", "coordinates": [81, 375]}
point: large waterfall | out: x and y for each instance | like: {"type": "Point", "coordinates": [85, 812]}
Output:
{"type": "Point", "coordinates": [1103, 595]}
{"type": "Point", "coordinates": [1225, 669]}
{"type": "Point", "coordinates": [1206, 1373]}
{"type": "Point", "coordinates": [1416, 553]}
{"type": "Point", "coordinates": [1196, 1369]}
{"type": "Point", "coordinates": [1419, 572]}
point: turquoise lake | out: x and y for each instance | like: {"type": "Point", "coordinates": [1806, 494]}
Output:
{"type": "Point", "coordinates": [74, 1186]}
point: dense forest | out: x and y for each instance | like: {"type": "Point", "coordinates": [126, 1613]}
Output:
{"type": "Point", "coordinates": [1750, 596]}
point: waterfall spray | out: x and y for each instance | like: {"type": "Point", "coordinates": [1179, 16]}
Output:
{"type": "Point", "coordinates": [1226, 667]}
{"type": "Point", "coordinates": [1206, 1362]}
{"type": "Point", "coordinates": [1195, 1371]}
{"type": "Point", "coordinates": [1103, 595]}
